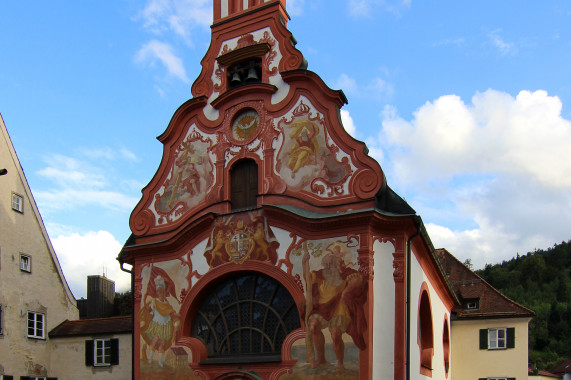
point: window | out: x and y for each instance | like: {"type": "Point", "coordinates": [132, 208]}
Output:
{"type": "Point", "coordinates": [497, 338]}
{"type": "Point", "coordinates": [446, 346]}
{"type": "Point", "coordinates": [497, 378]}
{"type": "Point", "coordinates": [101, 352]}
{"type": "Point", "coordinates": [425, 333]}
{"type": "Point", "coordinates": [17, 203]}
{"type": "Point", "coordinates": [6, 377]}
{"type": "Point", "coordinates": [25, 263]}
{"type": "Point", "coordinates": [36, 322]}
{"type": "Point", "coordinates": [1, 318]}
{"type": "Point", "coordinates": [244, 317]}
{"type": "Point", "coordinates": [244, 185]}
{"type": "Point", "coordinates": [472, 305]}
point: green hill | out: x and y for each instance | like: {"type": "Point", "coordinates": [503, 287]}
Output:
{"type": "Point", "coordinates": [541, 281]}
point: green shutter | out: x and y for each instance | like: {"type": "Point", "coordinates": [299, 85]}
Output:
{"type": "Point", "coordinates": [114, 351]}
{"type": "Point", "coordinates": [89, 353]}
{"type": "Point", "coordinates": [483, 339]}
{"type": "Point", "coordinates": [511, 337]}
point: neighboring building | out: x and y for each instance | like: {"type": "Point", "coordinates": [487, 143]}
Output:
{"type": "Point", "coordinates": [489, 331]}
{"type": "Point", "coordinates": [543, 375]}
{"type": "Point", "coordinates": [563, 369]}
{"type": "Point", "coordinates": [92, 349]}
{"type": "Point", "coordinates": [268, 244]}
{"type": "Point", "coordinates": [34, 295]}
{"type": "Point", "coordinates": [100, 296]}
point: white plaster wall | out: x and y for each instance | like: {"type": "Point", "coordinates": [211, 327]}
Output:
{"type": "Point", "coordinates": [43, 290]}
{"type": "Point", "coordinates": [68, 359]}
{"type": "Point", "coordinates": [384, 312]}
{"type": "Point", "coordinates": [439, 312]}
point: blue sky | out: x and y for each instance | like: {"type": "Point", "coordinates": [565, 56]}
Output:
{"type": "Point", "coordinates": [466, 105]}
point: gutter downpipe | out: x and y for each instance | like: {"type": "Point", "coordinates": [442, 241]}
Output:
{"type": "Point", "coordinates": [133, 334]}
{"type": "Point", "coordinates": [408, 281]}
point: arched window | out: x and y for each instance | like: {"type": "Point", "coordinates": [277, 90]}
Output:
{"type": "Point", "coordinates": [244, 185]}
{"type": "Point", "coordinates": [425, 333]}
{"type": "Point", "coordinates": [446, 346]}
{"type": "Point", "coordinates": [245, 318]}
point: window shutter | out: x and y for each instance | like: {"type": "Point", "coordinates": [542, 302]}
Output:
{"type": "Point", "coordinates": [483, 339]}
{"type": "Point", "coordinates": [89, 353]}
{"type": "Point", "coordinates": [511, 337]}
{"type": "Point", "coordinates": [114, 351]}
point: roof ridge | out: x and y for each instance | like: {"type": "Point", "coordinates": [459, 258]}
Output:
{"type": "Point", "coordinates": [487, 284]}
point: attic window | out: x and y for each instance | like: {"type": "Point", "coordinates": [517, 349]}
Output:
{"type": "Point", "coordinates": [246, 72]}
{"type": "Point", "coordinates": [472, 305]}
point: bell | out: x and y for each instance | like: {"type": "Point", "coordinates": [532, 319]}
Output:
{"type": "Point", "coordinates": [236, 78]}
{"type": "Point", "coordinates": [252, 75]}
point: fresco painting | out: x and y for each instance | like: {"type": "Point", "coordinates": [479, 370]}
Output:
{"type": "Point", "coordinates": [335, 295]}
{"type": "Point", "coordinates": [241, 237]}
{"type": "Point", "coordinates": [305, 161]}
{"type": "Point", "coordinates": [159, 322]}
{"type": "Point", "coordinates": [190, 177]}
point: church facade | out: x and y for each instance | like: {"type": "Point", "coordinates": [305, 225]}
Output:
{"type": "Point", "coordinates": [268, 245]}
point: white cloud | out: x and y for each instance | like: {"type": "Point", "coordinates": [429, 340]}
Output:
{"type": "Point", "coordinates": [78, 183]}
{"type": "Point", "coordinates": [363, 8]}
{"type": "Point", "coordinates": [497, 168]}
{"type": "Point", "coordinates": [154, 51]}
{"type": "Point", "coordinates": [496, 133]}
{"type": "Point", "coordinates": [295, 7]}
{"type": "Point", "coordinates": [376, 88]}
{"type": "Point", "coordinates": [504, 47]}
{"type": "Point", "coordinates": [66, 199]}
{"type": "Point", "coordinates": [93, 253]}
{"type": "Point", "coordinates": [129, 155]}
{"type": "Point", "coordinates": [348, 123]}
{"type": "Point", "coordinates": [347, 84]}
{"type": "Point", "coordinates": [177, 16]}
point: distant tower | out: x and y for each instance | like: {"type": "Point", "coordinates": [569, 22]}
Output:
{"type": "Point", "coordinates": [100, 296]}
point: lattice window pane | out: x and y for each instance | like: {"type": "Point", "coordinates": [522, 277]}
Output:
{"type": "Point", "coordinates": [244, 315]}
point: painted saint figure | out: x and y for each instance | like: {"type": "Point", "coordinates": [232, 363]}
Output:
{"type": "Point", "coordinates": [335, 299]}
{"type": "Point", "coordinates": [304, 148]}
{"type": "Point", "coordinates": [159, 321]}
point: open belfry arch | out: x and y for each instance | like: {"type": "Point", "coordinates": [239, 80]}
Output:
{"type": "Point", "coordinates": [268, 244]}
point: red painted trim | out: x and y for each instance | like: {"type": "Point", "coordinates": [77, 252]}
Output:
{"type": "Point", "coordinates": [427, 261]}
{"type": "Point", "coordinates": [217, 11]}
{"type": "Point", "coordinates": [399, 277]}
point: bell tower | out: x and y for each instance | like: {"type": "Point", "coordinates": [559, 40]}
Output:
{"type": "Point", "coordinates": [225, 9]}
